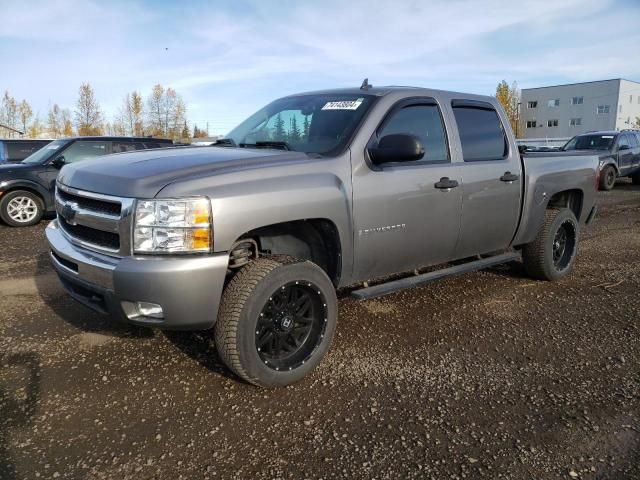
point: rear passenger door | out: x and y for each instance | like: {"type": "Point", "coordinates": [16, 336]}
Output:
{"type": "Point", "coordinates": [491, 180]}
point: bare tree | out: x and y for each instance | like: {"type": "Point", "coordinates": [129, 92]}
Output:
{"type": "Point", "coordinates": [65, 121]}
{"type": "Point", "coordinates": [53, 121]}
{"type": "Point", "coordinates": [166, 112]}
{"type": "Point", "coordinates": [36, 128]}
{"type": "Point", "coordinates": [9, 112]}
{"type": "Point", "coordinates": [88, 115]}
{"type": "Point", "coordinates": [24, 113]}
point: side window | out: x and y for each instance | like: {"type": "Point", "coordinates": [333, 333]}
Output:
{"type": "Point", "coordinates": [623, 141]}
{"type": "Point", "coordinates": [481, 134]}
{"type": "Point", "coordinates": [423, 121]}
{"type": "Point", "coordinates": [633, 140]}
{"type": "Point", "coordinates": [82, 150]}
{"type": "Point", "coordinates": [127, 146]}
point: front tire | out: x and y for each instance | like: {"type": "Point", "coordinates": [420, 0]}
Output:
{"type": "Point", "coordinates": [635, 178]}
{"type": "Point", "coordinates": [608, 178]}
{"type": "Point", "coordinates": [276, 320]}
{"type": "Point", "coordinates": [21, 208]}
{"type": "Point", "coordinates": [553, 252]}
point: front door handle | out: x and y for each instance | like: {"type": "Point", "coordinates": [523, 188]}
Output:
{"type": "Point", "coordinates": [508, 177]}
{"type": "Point", "coordinates": [446, 183]}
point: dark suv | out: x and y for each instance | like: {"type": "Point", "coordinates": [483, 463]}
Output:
{"type": "Point", "coordinates": [15, 150]}
{"type": "Point", "coordinates": [27, 188]}
{"type": "Point", "coordinates": [619, 154]}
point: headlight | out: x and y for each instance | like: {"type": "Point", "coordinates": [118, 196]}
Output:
{"type": "Point", "coordinates": [172, 226]}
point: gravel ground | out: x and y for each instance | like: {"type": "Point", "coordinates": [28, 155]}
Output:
{"type": "Point", "coordinates": [490, 375]}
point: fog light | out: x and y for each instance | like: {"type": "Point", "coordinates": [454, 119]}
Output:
{"type": "Point", "coordinates": [142, 309]}
{"type": "Point", "coordinates": [149, 309]}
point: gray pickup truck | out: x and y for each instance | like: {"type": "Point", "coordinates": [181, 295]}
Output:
{"type": "Point", "coordinates": [314, 192]}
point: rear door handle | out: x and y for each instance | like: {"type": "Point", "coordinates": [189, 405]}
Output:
{"type": "Point", "coordinates": [508, 177]}
{"type": "Point", "coordinates": [446, 183]}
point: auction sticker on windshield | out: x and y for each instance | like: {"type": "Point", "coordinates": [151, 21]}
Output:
{"type": "Point", "coordinates": [343, 105]}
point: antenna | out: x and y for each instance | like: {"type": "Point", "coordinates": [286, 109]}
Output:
{"type": "Point", "coordinates": [365, 84]}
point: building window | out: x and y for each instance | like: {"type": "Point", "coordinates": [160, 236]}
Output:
{"type": "Point", "coordinates": [630, 98]}
{"type": "Point", "coordinates": [577, 100]}
{"type": "Point", "coordinates": [533, 104]}
{"type": "Point", "coordinates": [575, 122]}
{"type": "Point", "coordinates": [620, 109]}
{"type": "Point", "coordinates": [552, 123]}
{"type": "Point", "coordinates": [554, 102]}
{"type": "Point", "coordinates": [603, 108]}
{"type": "Point", "coordinates": [531, 124]}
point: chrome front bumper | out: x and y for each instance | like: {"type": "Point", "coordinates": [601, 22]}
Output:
{"type": "Point", "coordinates": [187, 287]}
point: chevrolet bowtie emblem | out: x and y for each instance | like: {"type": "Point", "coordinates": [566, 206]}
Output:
{"type": "Point", "coordinates": [68, 212]}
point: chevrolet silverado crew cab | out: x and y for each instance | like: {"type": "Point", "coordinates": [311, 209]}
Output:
{"type": "Point", "coordinates": [27, 188]}
{"type": "Point", "coordinates": [619, 154]}
{"type": "Point", "coordinates": [252, 236]}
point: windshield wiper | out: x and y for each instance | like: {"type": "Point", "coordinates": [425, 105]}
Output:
{"type": "Point", "coordinates": [276, 145]}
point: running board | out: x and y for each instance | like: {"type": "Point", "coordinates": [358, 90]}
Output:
{"type": "Point", "coordinates": [408, 282]}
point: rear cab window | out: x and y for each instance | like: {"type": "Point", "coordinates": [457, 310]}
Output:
{"type": "Point", "coordinates": [481, 133]}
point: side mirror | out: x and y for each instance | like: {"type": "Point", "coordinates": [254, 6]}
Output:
{"type": "Point", "coordinates": [623, 147]}
{"type": "Point", "coordinates": [58, 162]}
{"type": "Point", "coordinates": [397, 147]}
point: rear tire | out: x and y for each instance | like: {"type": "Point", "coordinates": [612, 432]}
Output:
{"type": "Point", "coordinates": [553, 252]}
{"type": "Point", "coordinates": [21, 208]}
{"type": "Point", "coordinates": [608, 177]}
{"type": "Point", "coordinates": [635, 178]}
{"type": "Point", "coordinates": [276, 320]}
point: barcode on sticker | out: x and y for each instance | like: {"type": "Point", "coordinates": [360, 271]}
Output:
{"type": "Point", "coordinates": [343, 105]}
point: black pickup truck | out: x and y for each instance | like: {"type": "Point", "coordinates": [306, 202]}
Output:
{"type": "Point", "coordinates": [27, 188]}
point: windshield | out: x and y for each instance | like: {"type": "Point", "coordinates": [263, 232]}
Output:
{"type": "Point", "coordinates": [320, 124]}
{"type": "Point", "coordinates": [45, 153]}
{"type": "Point", "coordinates": [590, 142]}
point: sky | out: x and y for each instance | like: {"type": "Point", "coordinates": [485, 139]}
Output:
{"type": "Point", "coordinates": [228, 58]}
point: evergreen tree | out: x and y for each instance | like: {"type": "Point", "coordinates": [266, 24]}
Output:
{"type": "Point", "coordinates": [305, 128]}
{"type": "Point", "coordinates": [279, 132]}
{"type": "Point", "coordinates": [294, 131]}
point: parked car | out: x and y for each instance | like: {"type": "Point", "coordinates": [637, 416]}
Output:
{"type": "Point", "coordinates": [15, 150]}
{"type": "Point", "coordinates": [252, 236]}
{"type": "Point", "coordinates": [619, 154]}
{"type": "Point", "coordinates": [27, 188]}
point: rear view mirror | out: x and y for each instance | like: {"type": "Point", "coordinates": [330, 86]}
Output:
{"type": "Point", "coordinates": [397, 148]}
{"type": "Point", "coordinates": [58, 162]}
{"type": "Point", "coordinates": [623, 147]}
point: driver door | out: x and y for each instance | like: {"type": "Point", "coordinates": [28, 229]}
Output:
{"type": "Point", "coordinates": [402, 220]}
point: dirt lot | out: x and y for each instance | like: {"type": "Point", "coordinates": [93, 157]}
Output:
{"type": "Point", "coordinates": [491, 375]}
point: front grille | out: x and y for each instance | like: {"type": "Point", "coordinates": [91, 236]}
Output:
{"type": "Point", "coordinates": [108, 240]}
{"type": "Point", "coordinates": [95, 221]}
{"type": "Point", "coordinates": [101, 206]}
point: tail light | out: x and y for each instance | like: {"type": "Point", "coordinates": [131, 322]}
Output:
{"type": "Point", "coordinates": [597, 178]}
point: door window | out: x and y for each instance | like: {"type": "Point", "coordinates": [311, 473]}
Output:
{"type": "Point", "coordinates": [481, 134]}
{"type": "Point", "coordinates": [423, 121]}
{"type": "Point", "coordinates": [82, 150]}
{"type": "Point", "coordinates": [126, 146]}
{"type": "Point", "coordinates": [633, 140]}
{"type": "Point", "coordinates": [623, 141]}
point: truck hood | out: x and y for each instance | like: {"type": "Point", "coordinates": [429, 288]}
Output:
{"type": "Point", "coordinates": [143, 174]}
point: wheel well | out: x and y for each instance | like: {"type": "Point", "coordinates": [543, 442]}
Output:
{"type": "Point", "coordinates": [568, 199]}
{"type": "Point", "coordinates": [27, 189]}
{"type": "Point", "coordinates": [316, 240]}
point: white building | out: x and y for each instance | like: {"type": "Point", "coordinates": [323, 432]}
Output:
{"type": "Point", "coordinates": [562, 111]}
